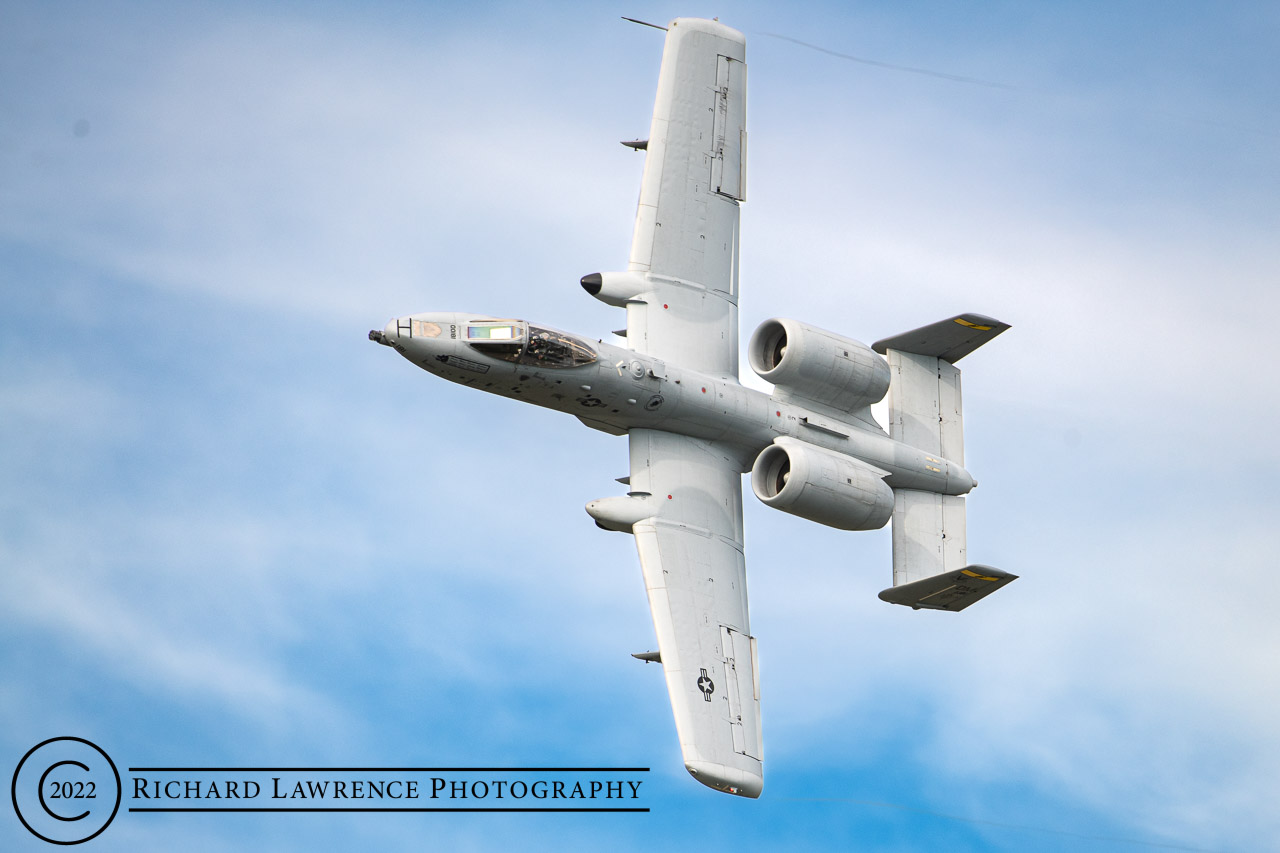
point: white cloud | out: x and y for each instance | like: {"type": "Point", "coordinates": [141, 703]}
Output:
{"type": "Point", "coordinates": [292, 167]}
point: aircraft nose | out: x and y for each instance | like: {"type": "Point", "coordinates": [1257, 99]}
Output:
{"type": "Point", "coordinates": [388, 336]}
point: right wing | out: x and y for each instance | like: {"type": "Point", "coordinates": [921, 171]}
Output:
{"type": "Point", "coordinates": [686, 232]}
{"type": "Point", "coordinates": [695, 574]}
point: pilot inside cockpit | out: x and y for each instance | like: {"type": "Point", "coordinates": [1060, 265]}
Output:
{"type": "Point", "coordinates": [542, 347]}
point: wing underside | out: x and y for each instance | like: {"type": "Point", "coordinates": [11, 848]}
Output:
{"type": "Point", "coordinates": [686, 230]}
{"type": "Point", "coordinates": [695, 575]}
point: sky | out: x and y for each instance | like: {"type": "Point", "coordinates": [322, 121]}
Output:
{"type": "Point", "coordinates": [233, 531]}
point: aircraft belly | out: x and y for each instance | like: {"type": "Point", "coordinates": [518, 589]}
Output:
{"type": "Point", "coordinates": [626, 390]}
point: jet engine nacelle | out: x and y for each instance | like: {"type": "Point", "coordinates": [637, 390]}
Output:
{"type": "Point", "coordinates": [808, 362]}
{"type": "Point", "coordinates": [822, 486]}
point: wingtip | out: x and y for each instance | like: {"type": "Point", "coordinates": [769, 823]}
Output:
{"type": "Point", "coordinates": [728, 780]}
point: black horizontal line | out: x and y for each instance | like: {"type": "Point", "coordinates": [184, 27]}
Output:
{"type": "Point", "coordinates": [392, 809]}
{"type": "Point", "coordinates": [389, 769]}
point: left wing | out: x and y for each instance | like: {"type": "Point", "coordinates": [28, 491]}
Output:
{"type": "Point", "coordinates": [695, 574]}
{"type": "Point", "coordinates": [685, 242]}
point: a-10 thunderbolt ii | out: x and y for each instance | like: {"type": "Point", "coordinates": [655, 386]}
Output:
{"type": "Point", "coordinates": [812, 447]}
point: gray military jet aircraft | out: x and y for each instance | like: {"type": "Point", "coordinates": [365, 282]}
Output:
{"type": "Point", "coordinates": [812, 447]}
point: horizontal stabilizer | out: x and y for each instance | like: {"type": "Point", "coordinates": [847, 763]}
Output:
{"type": "Point", "coordinates": [949, 340]}
{"type": "Point", "coordinates": [950, 590]}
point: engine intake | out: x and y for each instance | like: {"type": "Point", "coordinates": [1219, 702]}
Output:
{"type": "Point", "coordinates": [816, 365]}
{"type": "Point", "coordinates": [819, 485]}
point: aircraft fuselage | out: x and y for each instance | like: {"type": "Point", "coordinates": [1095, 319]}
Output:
{"type": "Point", "coordinates": [615, 389]}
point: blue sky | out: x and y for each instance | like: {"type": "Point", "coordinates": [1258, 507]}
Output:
{"type": "Point", "coordinates": [234, 531]}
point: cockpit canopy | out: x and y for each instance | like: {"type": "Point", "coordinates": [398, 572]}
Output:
{"type": "Point", "coordinates": [517, 341]}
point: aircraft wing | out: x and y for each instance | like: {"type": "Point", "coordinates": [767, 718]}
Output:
{"type": "Point", "coordinates": [695, 574]}
{"type": "Point", "coordinates": [686, 231]}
